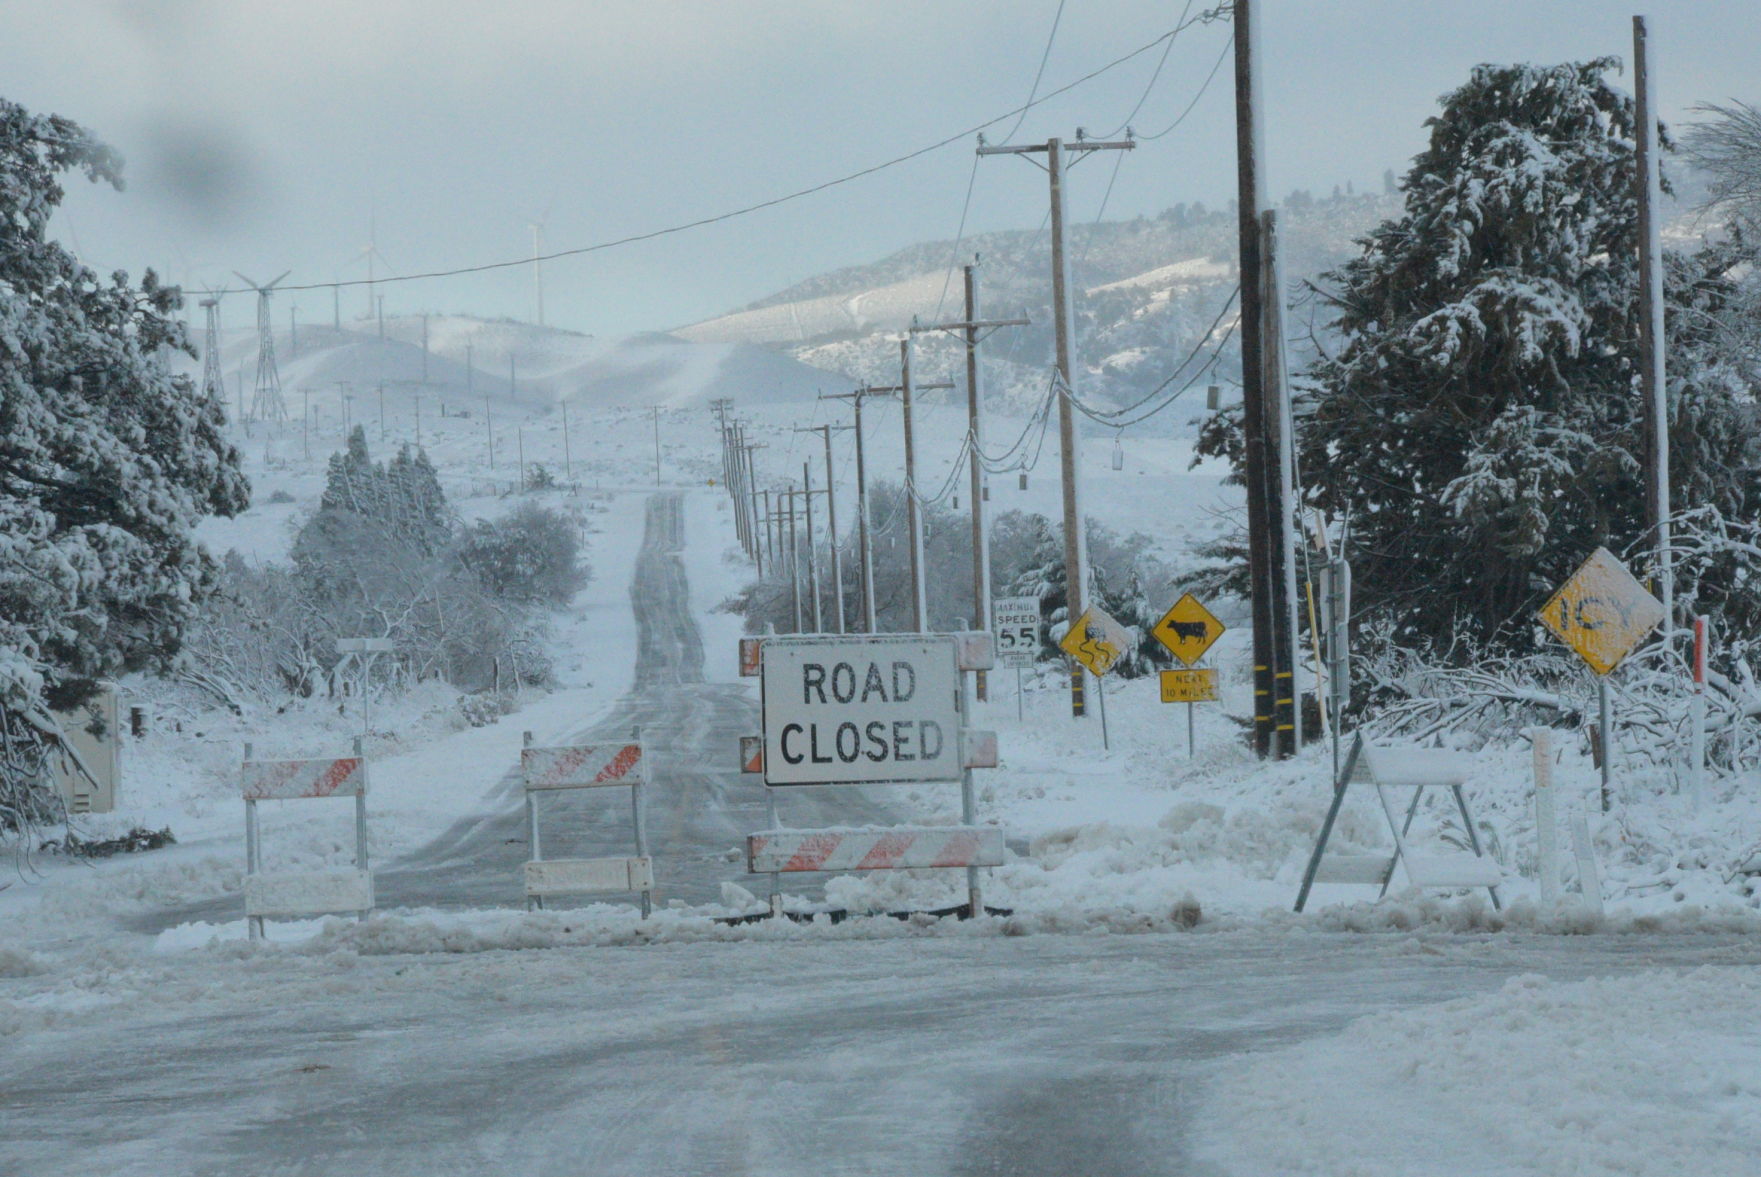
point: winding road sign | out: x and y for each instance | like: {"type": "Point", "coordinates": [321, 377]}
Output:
{"type": "Point", "coordinates": [1096, 640]}
{"type": "Point", "coordinates": [1602, 612]}
{"type": "Point", "coordinates": [1188, 629]}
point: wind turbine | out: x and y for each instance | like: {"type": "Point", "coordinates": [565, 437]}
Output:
{"type": "Point", "coordinates": [536, 224]}
{"type": "Point", "coordinates": [369, 252]}
{"type": "Point", "coordinates": [266, 404]}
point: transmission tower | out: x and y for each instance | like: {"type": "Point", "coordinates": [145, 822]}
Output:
{"type": "Point", "coordinates": [266, 403]}
{"type": "Point", "coordinates": [213, 383]}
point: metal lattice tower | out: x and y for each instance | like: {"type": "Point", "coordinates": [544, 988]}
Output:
{"type": "Point", "coordinates": [213, 383]}
{"type": "Point", "coordinates": [266, 402]}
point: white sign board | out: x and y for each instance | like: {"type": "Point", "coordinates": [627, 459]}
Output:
{"type": "Point", "coordinates": [841, 710]}
{"type": "Point", "coordinates": [1015, 621]}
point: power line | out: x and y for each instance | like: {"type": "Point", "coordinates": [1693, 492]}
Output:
{"type": "Point", "coordinates": [745, 210]}
{"type": "Point", "coordinates": [1115, 417]}
{"type": "Point", "coordinates": [1217, 65]}
{"type": "Point", "coordinates": [1041, 72]}
{"type": "Point", "coordinates": [1144, 97]}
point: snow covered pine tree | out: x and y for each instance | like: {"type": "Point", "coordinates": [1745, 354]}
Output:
{"type": "Point", "coordinates": [1481, 421]}
{"type": "Point", "coordinates": [106, 462]}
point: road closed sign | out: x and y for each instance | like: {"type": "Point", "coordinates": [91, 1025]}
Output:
{"type": "Point", "coordinates": [844, 710]}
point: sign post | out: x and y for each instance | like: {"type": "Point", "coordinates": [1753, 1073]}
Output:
{"type": "Point", "coordinates": [1602, 613]}
{"type": "Point", "coordinates": [873, 709]}
{"type": "Point", "coordinates": [1188, 630]}
{"type": "Point", "coordinates": [1097, 641]}
{"type": "Point", "coordinates": [1015, 621]}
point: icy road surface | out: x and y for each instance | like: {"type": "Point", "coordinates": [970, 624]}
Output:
{"type": "Point", "coordinates": [926, 1055]}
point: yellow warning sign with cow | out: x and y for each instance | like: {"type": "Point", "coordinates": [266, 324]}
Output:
{"type": "Point", "coordinates": [1602, 612]}
{"type": "Point", "coordinates": [1188, 629]}
{"type": "Point", "coordinates": [1096, 640]}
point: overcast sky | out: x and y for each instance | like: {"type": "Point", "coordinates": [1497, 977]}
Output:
{"type": "Point", "coordinates": [270, 136]}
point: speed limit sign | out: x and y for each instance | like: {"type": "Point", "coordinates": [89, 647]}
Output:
{"type": "Point", "coordinates": [1015, 620]}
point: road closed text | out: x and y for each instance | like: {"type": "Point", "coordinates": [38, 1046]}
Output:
{"type": "Point", "coordinates": [836, 685]}
{"type": "Point", "coordinates": [860, 711]}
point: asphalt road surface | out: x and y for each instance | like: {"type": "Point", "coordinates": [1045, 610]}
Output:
{"type": "Point", "coordinates": [1060, 1056]}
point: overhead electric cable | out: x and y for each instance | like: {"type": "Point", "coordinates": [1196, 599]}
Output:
{"type": "Point", "coordinates": [1041, 72]}
{"type": "Point", "coordinates": [1151, 85]}
{"type": "Point", "coordinates": [745, 210]}
{"type": "Point", "coordinates": [1206, 85]}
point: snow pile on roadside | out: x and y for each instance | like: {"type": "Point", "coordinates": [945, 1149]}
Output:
{"type": "Point", "coordinates": [1657, 1074]}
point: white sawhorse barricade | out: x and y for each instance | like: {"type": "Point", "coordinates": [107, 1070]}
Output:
{"type": "Point", "coordinates": [865, 710]}
{"type": "Point", "coordinates": [1389, 769]}
{"type": "Point", "coordinates": [588, 766]}
{"type": "Point", "coordinates": [304, 893]}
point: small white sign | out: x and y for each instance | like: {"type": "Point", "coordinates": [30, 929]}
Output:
{"type": "Point", "coordinates": [1015, 621]}
{"type": "Point", "coordinates": [840, 710]}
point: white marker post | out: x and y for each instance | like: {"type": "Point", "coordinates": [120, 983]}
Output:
{"type": "Point", "coordinates": [1546, 819]}
{"type": "Point", "coordinates": [1697, 718]}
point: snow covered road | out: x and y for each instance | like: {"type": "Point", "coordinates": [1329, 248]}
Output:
{"type": "Point", "coordinates": [701, 807]}
{"type": "Point", "coordinates": [925, 1054]}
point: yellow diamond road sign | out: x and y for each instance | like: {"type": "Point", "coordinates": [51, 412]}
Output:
{"type": "Point", "coordinates": [1188, 629]}
{"type": "Point", "coordinates": [1096, 640]}
{"type": "Point", "coordinates": [1602, 612]}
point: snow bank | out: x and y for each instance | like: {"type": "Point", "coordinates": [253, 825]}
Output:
{"type": "Point", "coordinates": [1656, 1074]}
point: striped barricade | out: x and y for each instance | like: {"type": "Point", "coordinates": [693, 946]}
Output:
{"type": "Point", "coordinates": [304, 893]}
{"type": "Point", "coordinates": [893, 848]}
{"type": "Point", "coordinates": [587, 766]}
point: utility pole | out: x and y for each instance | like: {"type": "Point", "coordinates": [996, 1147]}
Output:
{"type": "Point", "coordinates": [470, 374]}
{"type": "Point", "coordinates": [1257, 469]}
{"type": "Point", "coordinates": [792, 556]}
{"type": "Point", "coordinates": [520, 442]}
{"type": "Point", "coordinates": [750, 478]}
{"type": "Point", "coordinates": [306, 422]}
{"type": "Point", "coordinates": [513, 386]}
{"type": "Point", "coordinates": [293, 330]}
{"type": "Point", "coordinates": [1286, 628]}
{"type": "Point", "coordinates": [913, 511]}
{"type": "Point", "coordinates": [657, 445]}
{"type": "Point", "coordinates": [864, 552]}
{"type": "Point", "coordinates": [1075, 530]}
{"type": "Point", "coordinates": [831, 510]}
{"type": "Point", "coordinates": [488, 431]}
{"type": "Point", "coordinates": [382, 411]}
{"type": "Point", "coordinates": [568, 465]}
{"type": "Point", "coordinates": [864, 531]}
{"type": "Point", "coordinates": [380, 300]}
{"type": "Point", "coordinates": [970, 329]}
{"type": "Point", "coordinates": [1653, 358]}
{"type": "Point", "coordinates": [770, 550]}
{"type": "Point", "coordinates": [812, 560]}
{"type": "Point", "coordinates": [424, 347]}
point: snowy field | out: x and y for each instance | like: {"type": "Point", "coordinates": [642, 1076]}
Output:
{"type": "Point", "coordinates": [1150, 1005]}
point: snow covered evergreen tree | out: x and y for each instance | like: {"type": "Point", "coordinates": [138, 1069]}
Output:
{"type": "Point", "coordinates": [106, 461]}
{"type": "Point", "coordinates": [1481, 423]}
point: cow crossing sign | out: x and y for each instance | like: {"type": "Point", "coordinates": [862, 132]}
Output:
{"type": "Point", "coordinates": [1188, 629]}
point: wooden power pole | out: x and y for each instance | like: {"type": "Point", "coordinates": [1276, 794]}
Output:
{"type": "Point", "coordinates": [974, 330]}
{"type": "Point", "coordinates": [1070, 462]}
{"type": "Point", "coordinates": [1266, 584]}
{"type": "Point", "coordinates": [1652, 354]}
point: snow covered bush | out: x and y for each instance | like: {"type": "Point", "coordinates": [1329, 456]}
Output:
{"type": "Point", "coordinates": [531, 554]}
{"type": "Point", "coordinates": [106, 460]}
